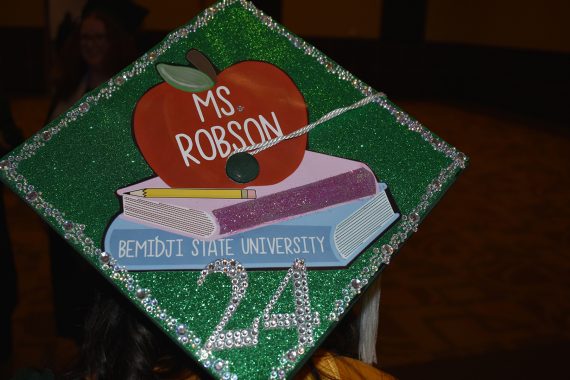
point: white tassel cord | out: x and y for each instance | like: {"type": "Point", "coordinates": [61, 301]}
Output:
{"type": "Point", "coordinates": [256, 148]}
{"type": "Point", "coordinates": [368, 333]}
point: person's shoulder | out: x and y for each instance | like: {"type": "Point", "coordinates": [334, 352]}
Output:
{"type": "Point", "coordinates": [331, 366]}
{"type": "Point", "coordinates": [60, 105]}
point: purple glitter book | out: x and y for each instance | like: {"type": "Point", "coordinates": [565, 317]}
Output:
{"type": "Point", "coordinates": [319, 182]}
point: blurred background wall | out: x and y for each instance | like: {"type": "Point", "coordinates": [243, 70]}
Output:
{"type": "Point", "coordinates": [481, 51]}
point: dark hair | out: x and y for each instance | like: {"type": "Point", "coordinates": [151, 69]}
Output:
{"type": "Point", "coordinates": [119, 342]}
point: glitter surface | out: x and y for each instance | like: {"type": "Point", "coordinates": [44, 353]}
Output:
{"type": "Point", "coordinates": [69, 173]}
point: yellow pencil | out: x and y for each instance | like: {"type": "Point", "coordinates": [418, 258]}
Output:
{"type": "Point", "coordinates": [195, 193]}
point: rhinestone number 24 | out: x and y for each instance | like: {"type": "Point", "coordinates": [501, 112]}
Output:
{"type": "Point", "coordinates": [303, 319]}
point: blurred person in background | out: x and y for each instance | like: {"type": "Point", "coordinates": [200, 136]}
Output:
{"type": "Point", "coordinates": [102, 44]}
{"type": "Point", "coordinates": [92, 51]}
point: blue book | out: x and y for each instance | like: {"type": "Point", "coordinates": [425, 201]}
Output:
{"type": "Point", "coordinates": [332, 237]}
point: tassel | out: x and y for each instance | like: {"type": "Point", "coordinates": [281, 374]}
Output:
{"type": "Point", "coordinates": [369, 324]}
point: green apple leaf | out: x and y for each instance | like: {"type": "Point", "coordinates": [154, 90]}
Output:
{"type": "Point", "coordinates": [185, 78]}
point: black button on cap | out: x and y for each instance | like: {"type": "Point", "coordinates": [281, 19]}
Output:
{"type": "Point", "coordinates": [242, 167]}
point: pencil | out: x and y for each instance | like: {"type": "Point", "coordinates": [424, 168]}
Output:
{"type": "Point", "coordinates": [195, 193]}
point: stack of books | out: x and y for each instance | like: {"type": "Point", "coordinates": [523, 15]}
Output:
{"type": "Point", "coordinates": [333, 201]}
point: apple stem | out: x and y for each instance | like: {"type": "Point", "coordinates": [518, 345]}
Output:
{"type": "Point", "coordinates": [202, 63]}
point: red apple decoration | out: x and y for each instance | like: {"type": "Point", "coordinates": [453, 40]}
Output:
{"type": "Point", "coordinates": [188, 126]}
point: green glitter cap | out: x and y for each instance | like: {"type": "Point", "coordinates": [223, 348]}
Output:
{"type": "Point", "coordinates": [70, 172]}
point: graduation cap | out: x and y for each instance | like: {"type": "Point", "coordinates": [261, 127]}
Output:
{"type": "Point", "coordinates": [238, 186]}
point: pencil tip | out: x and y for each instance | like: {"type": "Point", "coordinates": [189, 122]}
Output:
{"type": "Point", "coordinates": [138, 193]}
